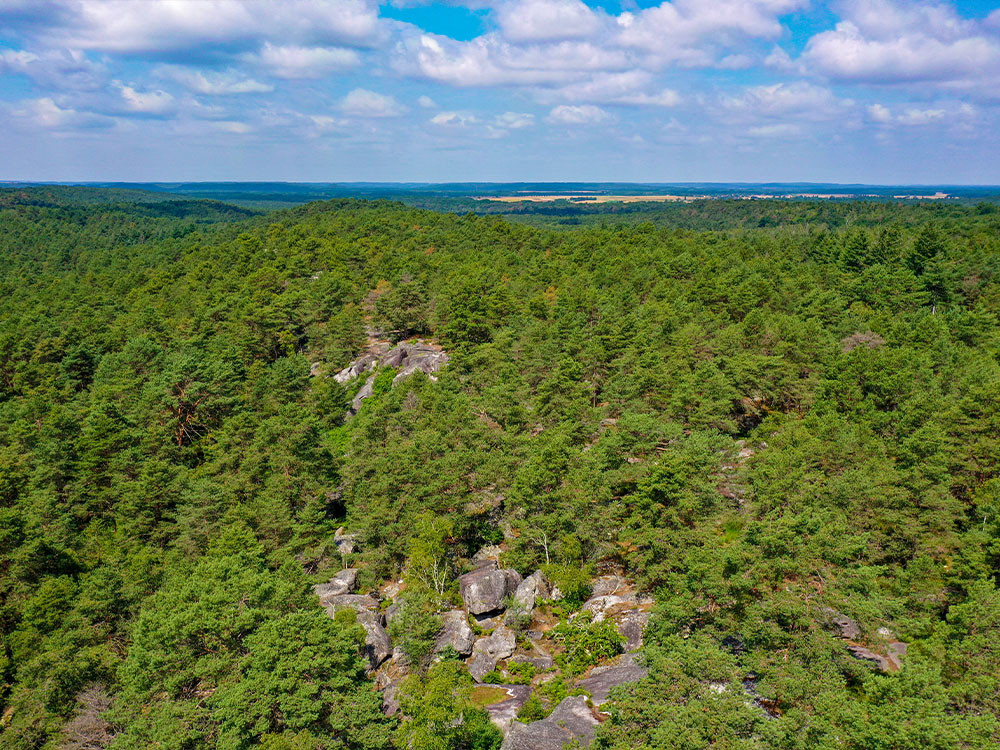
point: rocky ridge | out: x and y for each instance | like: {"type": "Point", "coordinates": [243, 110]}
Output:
{"type": "Point", "coordinates": [494, 598]}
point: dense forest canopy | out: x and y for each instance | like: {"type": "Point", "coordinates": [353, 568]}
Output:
{"type": "Point", "coordinates": [759, 412]}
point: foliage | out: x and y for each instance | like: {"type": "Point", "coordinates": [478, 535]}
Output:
{"type": "Point", "coordinates": [756, 409]}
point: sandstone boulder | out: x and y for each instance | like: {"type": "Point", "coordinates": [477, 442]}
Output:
{"type": "Point", "coordinates": [455, 632]}
{"type": "Point", "coordinates": [490, 649]}
{"type": "Point", "coordinates": [571, 720]}
{"type": "Point", "coordinates": [602, 680]}
{"type": "Point", "coordinates": [342, 583]}
{"type": "Point", "coordinates": [484, 589]}
{"type": "Point", "coordinates": [503, 713]}
{"type": "Point", "coordinates": [841, 625]}
{"type": "Point", "coordinates": [378, 647]}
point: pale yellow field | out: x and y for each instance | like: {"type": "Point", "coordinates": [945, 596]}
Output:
{"type": "Point", "coordinates": [589, 198]}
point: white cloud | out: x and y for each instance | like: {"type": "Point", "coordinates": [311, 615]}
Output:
{"type": "Point", "coordinates": [62, 70]}
{"type": "Point", "coordinates": [547, 20]}
{"type": "Point", "coordinates": [628, 88]}
{"type": "Point", "coordinates": [847, 54]}
{"type": "Point", "coordinates": [156, 102]}
{"type": "Point", "coordinates": [584, 114]}
{"type": "Point", "coordinates": [365, 103]}
{"type": "Point", "coordinates": [489, 60]}
{"type": "Point", "coordinates": [230, 126]}
{"type": "Point", "coordinates": [157, 26]}
{"type": "Point", "coordinates": [798, 99]}
{"type": "Point", "coordinates": [879, 113]}
{"type": "Point", "coordinates": [778, 130]}
{"type": "Point", "coordinates": [293, 61]}
{"type": "Point", "coordinates": [514, 120]}
{"type": "Point", "coordinates": [940, 113]}
{"type": "Point", "coordinates": [426, 102]}
{"type": "Point", "coordinates": [885, 41]}
{"type": "Point", "coordinates": [689, 31]}
{"type": "Point", "coordinates": [213, 84]}
{"type": "Point", "coordinates": [45, 113]}
{"type": "Point", "coordinates": [453, 119]}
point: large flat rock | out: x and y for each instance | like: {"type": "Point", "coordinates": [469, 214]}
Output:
{"type": "Point", "coordinates": [602, 680]}
{"type": "Point", "coordinates": [571, 720]}
{"type": "Point", "coordinates": [504, 713]}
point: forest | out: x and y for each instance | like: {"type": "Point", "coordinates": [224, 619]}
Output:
{"type": "Point", "coordinates": [775, 425]}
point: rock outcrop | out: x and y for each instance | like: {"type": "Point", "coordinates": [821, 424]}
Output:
{"type": "Point", "coordinates": [489, 650]}
{"type": "Point", "coordinates": [571, 720]}
{"type": "Point", "coordinates": [484, 589]}
{"type": "Point", "coordinates": [456, 633]}
{"type": "Point", "coordinates": [849, 631]}
{"type": "Point", "coordinates": [629, 612]}
{"type": "Point", "coordinates": [504, 713]}
{"type": "Point", "coordinates": [378, 648]}
{"type": "Point", "coordinates": [342, 583]}
{"type": "Point", "coordinates": [409, 357]}
{"type": "Point", "coordinates": [602, 680]}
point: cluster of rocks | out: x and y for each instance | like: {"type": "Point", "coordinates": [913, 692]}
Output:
{"type": "Point", "coordinates": [498, 601]}
{"type": "Point", "coordinates": [849, 631]}
{"type": "Point", "coordinates": [408, 357]}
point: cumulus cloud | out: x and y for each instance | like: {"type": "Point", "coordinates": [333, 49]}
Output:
{"type": "Point", "coordinates": [453, 119]}
{"type": "Point", "coordinates": [489, 60]}
{"type": "Point", "coordinates": [547, 20]}
{"type": "Point", "coordinates": [798, 99]}
{"type": "Point", "coordinates": [426, 102]}
{"type": "Point", "coordinates": [690, 32]}
{"type": "Point", "coordinates": [777, 130]}
{"type": "Point", "coordinates": [514, 120]}
{"type": "Point", "coordinates": [45, 113]}
{"type": "Point", "coordinates": [584, 114]}
{"type": "Point", "coordinates": [293, 61]}
{"type": "Point", "coordinates": [633, 87]}
{"type": "Point", "coordinates": [156, 102]}
{"type": "Point", "coordinates": [889, 42]}
{"type": "Point", "coordinates": [365, 103]}
{"type": "Point", "coordinates": [940, 113]}
{"type": "Point", "coordinates": [213, 84]}
{"type": "Point", "coordinates": [162, 26]}
{"type": "Point", "coordinates": [62, 70]}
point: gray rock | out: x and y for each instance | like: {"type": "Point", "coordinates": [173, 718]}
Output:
{"type": "Point", "coordinates": [571, 720]}
{"type": "Point", "coordinates": [365, 392]}
{"type": "Point", "coordinates": [866, 654]}
{"type": "Point", "coordinates": [342, 583]}
{"type": "Point", "coordinates": [842, 625]}
{"type": "Point", "coordinates": [523, 600]}
{"type": "Point", "coordinates": [455, 632]}
{"type": "Point", "coordinates": [391, 611]}
{"type": "Point", "coordinates": [631, 625]}
{"type": "Point", "coordinates": [609, 604]}
{"type": "Point", "coordinates": [602, 680]}
{"type": "Point", "coordinates": [488, 650]}
{"type": "Point", "coordinates": [362, 364]}
{"type": "Point", "coordinates": [542, 662]}
{"type": "Point", "coordinates": [484, 590]}
{"type": "Point", "coordinates": [606, 585]}
{"type": "Point", "coordinates": [345, 543]}
{"type": "Point", "coordinates": [892, 661]}
{"type": "Point", "coordinates": [388, 678]}
{"type": "Point", "coordinates": [378, 647]}
{"type": "Point", "coordinates": [504, 713]}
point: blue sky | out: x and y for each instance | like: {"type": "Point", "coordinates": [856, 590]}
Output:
{"type": "Point", "coordinates": [876, 91]}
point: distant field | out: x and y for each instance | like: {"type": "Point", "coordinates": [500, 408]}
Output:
{"type": "Point", "coordinates": [590, 198]}
{"type": "Point", "coordinates": [577, 198]}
